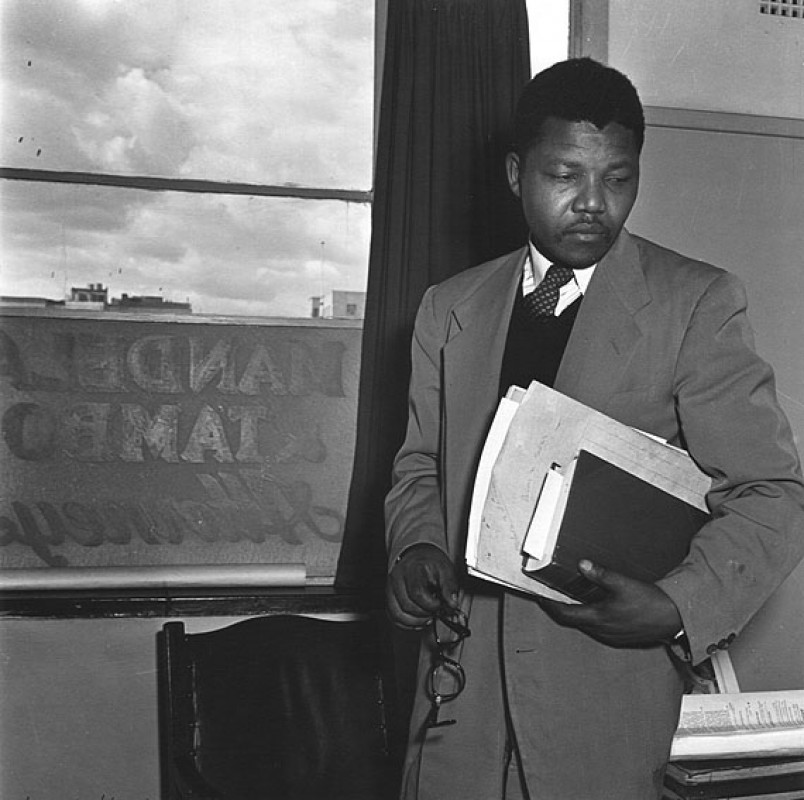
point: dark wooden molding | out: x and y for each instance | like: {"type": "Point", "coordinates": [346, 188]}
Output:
{"type": "Point", "coordinates": [183, 603]}
{"type": "Point", "coordinates": [155, 184]}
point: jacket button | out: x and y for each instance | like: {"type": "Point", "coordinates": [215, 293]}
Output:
{"type": "Point", "coordinates": [711, 650]}
{"type": "Point", "coordinates": [731, 637]}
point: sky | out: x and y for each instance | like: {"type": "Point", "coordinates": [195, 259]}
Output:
{"type": "Point", "coordinates": [275, 92]}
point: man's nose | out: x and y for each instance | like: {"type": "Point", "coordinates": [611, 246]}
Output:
{"type": "Point", "coordinates": [590, 198]}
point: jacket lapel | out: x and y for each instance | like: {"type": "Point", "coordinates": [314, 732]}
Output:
{"type": "Point", "coordinates": [476, 334]}
{"type": "Point", "coordinates": [477, 328]}
{"type": "Point", "coordinates": [606, 329]}
{"type": "Point", "coordinates": [601, 344]}
{"type": "Point", "coordinates": [603, 338]}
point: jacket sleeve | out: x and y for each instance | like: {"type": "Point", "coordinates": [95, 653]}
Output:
{"type": "Point", "coordinates": [413, 507]}
{"type": "Point", "coordinates": [734, 428]}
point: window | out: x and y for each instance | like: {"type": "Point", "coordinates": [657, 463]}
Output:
{"type": "Point", "coordinates": [205, 152]}
{"type": "Point", "coordinates": [163, 160]}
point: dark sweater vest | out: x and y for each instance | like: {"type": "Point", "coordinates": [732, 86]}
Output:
{"type": "Point", "coordinates": [534, 347]}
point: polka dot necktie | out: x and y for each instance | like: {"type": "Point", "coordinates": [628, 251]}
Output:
{"type": "Point", "coordinates": [542, 301]}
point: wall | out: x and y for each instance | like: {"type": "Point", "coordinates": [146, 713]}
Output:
{"type": "Point", "coordinates": [734, 200]}
{"type": "Point", "coordinates": [727, 188]}
{"type": "Point", "coordinates": [719, 55]}
{"type": "Point", "coordinates": [79, 715]}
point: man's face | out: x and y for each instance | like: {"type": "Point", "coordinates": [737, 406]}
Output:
{"type": "Point", "coordinates": [577, 186]}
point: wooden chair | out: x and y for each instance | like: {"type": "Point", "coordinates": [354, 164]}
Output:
{"type": "Point", "coordinates": [277, 708]}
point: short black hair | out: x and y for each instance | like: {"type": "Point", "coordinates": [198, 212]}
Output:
{"type": "Point", "coordinates": [577, 90]}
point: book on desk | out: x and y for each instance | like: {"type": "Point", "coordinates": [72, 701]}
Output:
{"type": "Point", "coordinates": [715, 779]}
{"type": "Point", "coordinates": [731, 743]}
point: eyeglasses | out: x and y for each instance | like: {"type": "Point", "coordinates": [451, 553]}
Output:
{"type": "Point", "coordinates": [447, 678]}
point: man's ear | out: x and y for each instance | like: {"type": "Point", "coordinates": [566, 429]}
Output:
{"type": "Point", "coordinates": [512, 171]}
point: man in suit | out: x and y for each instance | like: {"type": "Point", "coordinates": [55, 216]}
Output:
{"type": "Point", "coordinates": [568, 702]}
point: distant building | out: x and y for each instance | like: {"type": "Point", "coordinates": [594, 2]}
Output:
{"type": "Point", "coordinates": [9, 301]}
{"type": "Point", "coordinates": [88, 298]}
{"type": "Point", "coordinates": [339, 304]}
{"type": "Point", "coordinates": [95, 297]}
{"type": "Point", "coordinates": [317, 304]}
{"type": "Point", "coordinates": [149, 303]}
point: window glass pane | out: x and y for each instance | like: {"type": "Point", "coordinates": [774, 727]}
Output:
{"type": "Point", "coordinates": [225, 254]}
{"type": "Point", "coordinates": [257, 91]}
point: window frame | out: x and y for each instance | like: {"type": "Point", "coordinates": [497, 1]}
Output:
{"type": "Point", "coordinates": [213, 187]}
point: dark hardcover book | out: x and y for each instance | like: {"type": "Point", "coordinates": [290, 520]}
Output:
{"type": "Point", "coordinates": [765, 786]}
{"type": "Point", "coordinates": [604, 513]}
{"type": "Point", "coordinates": [704, 771]}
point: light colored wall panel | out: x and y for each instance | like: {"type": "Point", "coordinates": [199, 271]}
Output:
{"type": "Point", "coordinates": [719, 55]}
{"type": "Point", "coordinates": [735, 200]}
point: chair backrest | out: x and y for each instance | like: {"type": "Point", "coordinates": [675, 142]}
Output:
{"type": "Point", "coordinates": [277, 708]}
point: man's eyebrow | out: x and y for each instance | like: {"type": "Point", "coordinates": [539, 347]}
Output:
{"type": "Point", "coordinates": [573, 163]}
{"type": "Point", "coordinates": [622, 164]}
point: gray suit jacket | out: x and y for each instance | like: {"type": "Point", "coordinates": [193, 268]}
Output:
{"type": "Point", "coordinates": [661, 343]}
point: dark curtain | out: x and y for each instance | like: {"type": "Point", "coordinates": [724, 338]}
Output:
{"type": "Point", "coordinates": [453, 70]}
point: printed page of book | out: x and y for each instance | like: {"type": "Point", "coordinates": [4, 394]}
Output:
{"type": "Point", "coordinates": [740, 725]}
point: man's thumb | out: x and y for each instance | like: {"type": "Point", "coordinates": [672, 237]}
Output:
{"type": "Point", "coordinates": [598, 575]}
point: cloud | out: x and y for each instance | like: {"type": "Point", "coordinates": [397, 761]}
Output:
{"type": "Point", "coordinates": [63, 60]}
{"type": "Point", "coordinates": [142, 131]}
{"type": "Point", "coordinates": [138, 87]}
{"type": "Point", "coordinates": [176, 89]}
{"type": "Point", "coordinates": [228, 253]}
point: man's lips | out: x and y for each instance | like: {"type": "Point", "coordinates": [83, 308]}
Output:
{"type": "Point", "coordinates": [587, 231]}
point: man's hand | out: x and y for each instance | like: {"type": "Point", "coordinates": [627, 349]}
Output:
{"type": "Point", "coordinates": [634, 614]}
{"type": "Point", "coordinates": [420, 583]}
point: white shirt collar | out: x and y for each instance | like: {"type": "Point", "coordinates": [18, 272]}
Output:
{"type": "Point", "coordinates": [536, 268]}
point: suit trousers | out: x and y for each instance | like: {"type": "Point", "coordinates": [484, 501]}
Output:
{"type": "Point", "coordinates": [470, 758]}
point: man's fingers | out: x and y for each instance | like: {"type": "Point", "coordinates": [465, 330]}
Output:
{"type": "Point", "coordinates": [605, 578]}
{"type": "Point", "coordinates": [449, 591]}
{"type": "Point", "coordinates": [413, 598]}
{"type": "Point", "coordinates": [422, 583]}
{"type": "Point", "coordinates": [566, 613]}
{"type": "Point", "coordinates": [419, 585]}
{"type": "Point", "coordinates": [588, 615]}
{"type": "Point", "coordinates": [429, 580]}
{"type": "Point", "coordinates": [414, 618]}
{"type": "Point", "coordinates": [403, 620]}
{"type": "Point", "coordinates": [632, 614]}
